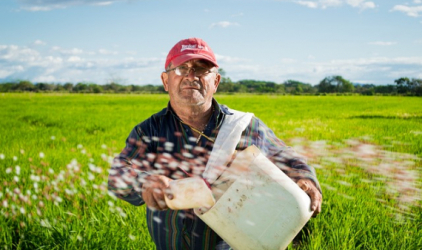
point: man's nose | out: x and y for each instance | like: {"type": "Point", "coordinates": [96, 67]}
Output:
{"type": "Point", "coordinates": [191, 74]}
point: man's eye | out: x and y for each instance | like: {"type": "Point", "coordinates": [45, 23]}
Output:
{"type": "Point", "coordinates": [200, 69]}
{"type": "Point", "coordinates": [183, 68]}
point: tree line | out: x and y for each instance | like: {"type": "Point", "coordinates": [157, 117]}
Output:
{"type": "Point", "coordinates": [334, 84]}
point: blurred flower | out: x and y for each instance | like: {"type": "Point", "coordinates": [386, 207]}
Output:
{"type": "Point", "coordinates": [18, 170]}
{"type": "Point", "coordinates": [42, 155]}
{"type": "Point", "coordinates": [2, 157]}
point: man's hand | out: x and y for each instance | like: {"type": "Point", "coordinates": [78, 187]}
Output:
{"type": "Point", "coordinates": [154, 189]}
{"type": "Point", "coordinates": [316, 197]}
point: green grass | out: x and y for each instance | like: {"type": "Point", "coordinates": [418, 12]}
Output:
{"type": "Point", "coordinates": [365, 150]}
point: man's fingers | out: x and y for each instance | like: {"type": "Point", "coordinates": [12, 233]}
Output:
{"type": "Point", "coordinates": [159, 199]}
{"type": "Point", "coordinates": [154, 189]}
{"type": "Point", "coordinates": [303, 184]}
{"type": "Point", "coordinates": [316, 200]}
{"type": "Point", "coordinates": [313, 193]}
{"type": "Point", "coordinates": [169, 194]}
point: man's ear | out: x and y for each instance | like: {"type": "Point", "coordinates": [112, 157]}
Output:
{"type": "Point", "coordinates": [164, 79]}
{"type": "Point", "coordinates": [217, 81]}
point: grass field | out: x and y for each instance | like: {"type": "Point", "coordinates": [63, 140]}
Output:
{"type": "Point", "coordinates": [55, 151]}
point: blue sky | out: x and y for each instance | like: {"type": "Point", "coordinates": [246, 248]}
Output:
{"type": "Point", "coordinates": [365, 41]}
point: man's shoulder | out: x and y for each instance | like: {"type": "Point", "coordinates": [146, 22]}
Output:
{"type": "Point", "coordinates": [154, 120]}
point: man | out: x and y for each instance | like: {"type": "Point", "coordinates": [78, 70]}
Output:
{"type": "Point", "coordinates": [175, 143]}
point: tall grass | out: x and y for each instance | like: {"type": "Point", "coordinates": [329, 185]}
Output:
{"type": "Point", "coordinates": [55, 150]}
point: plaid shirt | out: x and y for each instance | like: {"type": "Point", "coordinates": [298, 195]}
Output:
{"type": "Point", "coordinates": [162, 144]}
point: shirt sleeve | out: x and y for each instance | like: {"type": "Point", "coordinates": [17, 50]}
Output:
{"type": "Point", "coordinates": [284, 157]}
{"type": "Point", "coordinates": [130, 168]}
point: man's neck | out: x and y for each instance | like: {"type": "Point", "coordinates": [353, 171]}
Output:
{"type": "Point", "coordinates": [195, 116]}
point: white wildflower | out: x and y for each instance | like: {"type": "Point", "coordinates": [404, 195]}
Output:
{"type": "Point", "coordinates": [15, 158]}
{"type": "Point", "coordinates": [2, 156]}
{"type": "Point", "coordinates": [42, 155]}
{"type": "Point", "coordinates": [52, 137]}
{"type": "Point", "coordinates": [45, 223]}
{"type": "Point", "coordinates": [35, 178]}
{"type": "Point", "coordinates": [8, 170]}
{"type": "Point", "coordinates": [15, 178]}
{"type": "Point", "coordinates": [18, 170]}
{"type": "Point", "coordinates": [79, 146]}
{"type": "Point", "coordinates": [92, 167]}
{"type": "Point", "coordinates": [104, 146]}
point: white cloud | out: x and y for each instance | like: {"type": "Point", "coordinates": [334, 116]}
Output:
{"type": "Point", "coordinates": [74, 59]}
{"type": "Point", "coordinates": [417, 1]}
{"type": "Point", "coordinates": [288, 60]}
{"type": "Point", "coordinates": [74, 51]}
{"type": "Point", "coordinates": [107, 52]}
{"type": "Point", "coordinates": [308, 4]}
{"type": "Point", "coordinates": [412, 11]}
{"type": "Point", "coordinates": [223, 24]}
{"type": "Point", "coordinates": [376, 70]}
{"type": "Point", "coordinates": [381, 43]}
{"type": "Point", "coordinates": [362, 4]}
{"type": "Point", "coordinates": [104, 3]}
{"type": "Point", "coordinates": [323, 4]}
{"type": "Point", "coordinates": [39, 42]}
{"type": "Point", "coordinates": [74, 65]}
{"type": "Point", "coordinates": [229, 59]}
{"type": "Point", "coordinates": [46, 5]}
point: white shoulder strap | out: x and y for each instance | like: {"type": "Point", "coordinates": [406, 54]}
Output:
{"type": "Point", "coordinates": [227, 139]}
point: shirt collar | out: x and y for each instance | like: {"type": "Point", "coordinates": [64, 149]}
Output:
{"type": "Point", "coordinates": [218, 109]}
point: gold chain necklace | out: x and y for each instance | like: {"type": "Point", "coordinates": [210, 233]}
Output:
{"type": "Point", "coordinates": [201, 133]}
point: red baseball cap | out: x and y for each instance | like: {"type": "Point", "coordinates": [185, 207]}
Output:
{"type": "Point", "coordinates": [188, 49]}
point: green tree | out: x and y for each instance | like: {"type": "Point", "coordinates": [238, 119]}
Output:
{"type": "Point", "coordinates": [24, 86]}
{"type": "Point", "coordinates": [68, 86]}
{"type": "Point", "coordinates": [335, 83]}
{"type": "Point", "coordinates": [402, 85]}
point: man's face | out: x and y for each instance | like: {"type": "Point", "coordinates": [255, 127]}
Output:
{"type": "Point", "coordinates": [191, 90]}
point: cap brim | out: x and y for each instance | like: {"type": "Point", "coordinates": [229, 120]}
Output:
{"type": "Point", "coordinates": [187, 57]}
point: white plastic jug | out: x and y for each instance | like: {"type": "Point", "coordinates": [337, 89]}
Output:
{"type": "Point", "coordinates": [257, 205]}
{"type": "Point", "coordinates": [188, 193]}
